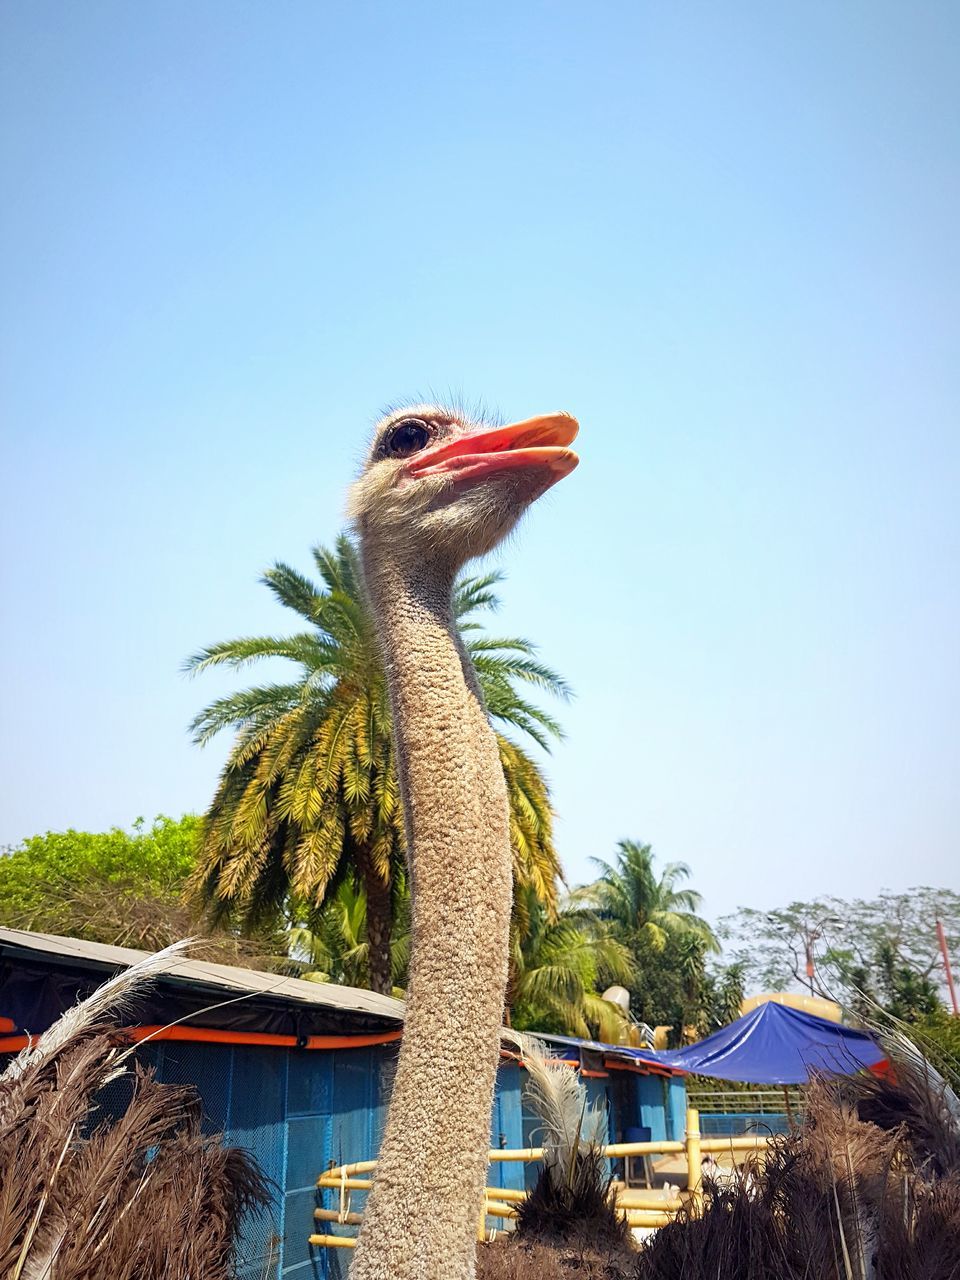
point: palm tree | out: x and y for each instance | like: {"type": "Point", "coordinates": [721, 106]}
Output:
{"type": "Point", "coordinates": [655, 917]}
{"type": "Point", "coordinates": [643, 909]}
{"type": "Point", "coordinates": [309, 794]}
{"type": "Point", "coordinates": [724, 994]}
{"type": "Point", "coordinates": [332, 945]}
{"type": "Point", "coordinates": [557, 964]}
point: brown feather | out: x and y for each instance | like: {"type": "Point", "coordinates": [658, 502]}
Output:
{"type": "Point", "coordinates": [142, 1196]}
{"type": "Point", "coordinates": [864, 1189]}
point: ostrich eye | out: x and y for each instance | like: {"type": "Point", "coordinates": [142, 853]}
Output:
{"type": "Point", "coordinates": [407, 437]}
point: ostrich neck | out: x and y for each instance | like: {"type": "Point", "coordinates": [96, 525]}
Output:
{"type": "Point", "coordinates": [421, 1219]}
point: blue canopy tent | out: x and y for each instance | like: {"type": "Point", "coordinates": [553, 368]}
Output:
{"type": "Point", "coordinates": [774, 1044]}
{"type": "Point", "coordinates": [771, 1045]}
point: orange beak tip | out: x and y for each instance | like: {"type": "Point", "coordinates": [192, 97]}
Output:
{"type": "Point", "coordinates": [566, 462]}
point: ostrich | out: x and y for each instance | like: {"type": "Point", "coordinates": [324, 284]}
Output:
{"type": "Point", "coordinates": [438, 490]}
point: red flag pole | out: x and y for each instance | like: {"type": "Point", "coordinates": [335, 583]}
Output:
{"type": "Point", "coordinates": [942, 938]}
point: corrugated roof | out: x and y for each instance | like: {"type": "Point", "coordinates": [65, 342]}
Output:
{"type": "Point", "coordinates": [224, 977]}
{"type": "Point", "coordinates": [650, 1059]}
{"type": "Point", "coordinates": [202, 976]}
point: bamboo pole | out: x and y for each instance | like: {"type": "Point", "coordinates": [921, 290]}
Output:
{"type": "Point", "coordinates": [505, 1193]}
{"type": "Point", "coordinates": [497, 1209]}
{"type": "Point", "coordinates": [634, 1216]}
{"type": "Point", "coordinates": [625, 1201]}
{"type": "Point", "coordinates": [347, 1170]}
{"type": "Point", "coordinates": [664, 1148]}
{"type": "Point", "coordinates": [350, 1184]}
{"type": "Point", "coordinates": [749, 1142]}
{"type": "Point", "coordinates": [501, 1202]}
{"type": "Point", "coordinates": [648, 1218]}
{"type": "Point", "coordinates": [334, 1215]}
{"type": "Point", "coordinates": [343, 1175]}
{"type": "Point", "coordinates": [649, 1202]}
{"type": "Point", "coordinates": [694, 1171]}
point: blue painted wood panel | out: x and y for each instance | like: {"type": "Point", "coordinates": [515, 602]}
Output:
{"type": "Point", "coordinates": [676, 1108]}
{"type": "Point", "coordinates": [652, 1096]}
{"type": "Point", "coordinates": [299, 1111]}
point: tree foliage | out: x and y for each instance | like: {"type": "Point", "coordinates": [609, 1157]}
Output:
{"type": "Point", "coordinates": [938, 1035]}
{"type": "Point", "coordinates": [643, 907]}
{"type": "Point", "coordinates": [332, 945]}
{"type": "Point", "coordinates": [868, 951]}
{"type": "Point", "coordinates": [558, 967]}
{"type": "Point", "coordinates": [309, 794]}
{"type": "Point", "coordinates": [112, 886]}
{"type": "Point", "coordinates": [653, 914]}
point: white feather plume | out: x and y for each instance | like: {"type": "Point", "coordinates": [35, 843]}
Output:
{"type": "Point", "coordinates": [900, 1047]}
{"type": "Point", "coordinates": [568, 1123]}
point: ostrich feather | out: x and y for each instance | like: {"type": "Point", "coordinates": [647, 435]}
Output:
{"type": "Point", "coordinates": [75, 1182]}
{"type": "Point", "coordinates": [917, 1101]}
{"type": "Point", "coordinates": [568, 1124]}
{"type": "Point", "coordinates": [858, 1191]}
{"type": "Point", "coordinates": [864, 1188]}
{"type": "Point", "coordinates": [902, 1050]}
{"type": "Point", "coordinates": [570, 1205]}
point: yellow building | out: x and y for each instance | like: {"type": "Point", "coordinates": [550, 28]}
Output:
{"type": "Point", "coordinates": [816, 1005]}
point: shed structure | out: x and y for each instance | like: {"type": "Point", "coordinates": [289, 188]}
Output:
{"type": "Point", "coordinates": [298, 1073]}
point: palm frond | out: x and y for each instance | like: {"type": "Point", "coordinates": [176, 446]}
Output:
{"type": "Point", "coordinates": [310, 787]}
{"type": "Point", "coordinates": [256, 708]}
{"type": "Point", "coordinates": [292, 589]}
{"type": "Point", "coordinates": [312, 653]}
{"type": "Point", "coordinates": [473, 593]}
{"type": "Point", "coordinates": [513, 660]}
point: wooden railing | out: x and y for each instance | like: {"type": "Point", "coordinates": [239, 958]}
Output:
{"type": "Point", "coordinates": [639, 1208]}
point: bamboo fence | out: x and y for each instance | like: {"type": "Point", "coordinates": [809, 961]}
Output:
{"type": "Point", "coordinates": [639, 1208]}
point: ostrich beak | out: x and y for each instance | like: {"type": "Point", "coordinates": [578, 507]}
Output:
{"type": "Point", "coordinates": [536, 442]}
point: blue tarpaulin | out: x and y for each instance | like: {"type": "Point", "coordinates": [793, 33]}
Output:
{"type": "Point", "coordinates": [774, 1044]}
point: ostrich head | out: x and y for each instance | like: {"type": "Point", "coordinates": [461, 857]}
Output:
{"type": "Point", "coordinates": [438, 486]}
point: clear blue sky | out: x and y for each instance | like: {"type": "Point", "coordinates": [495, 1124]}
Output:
{"type": "Point", "coordinates": [725, 236]}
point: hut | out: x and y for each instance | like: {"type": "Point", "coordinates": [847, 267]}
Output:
{"type": "Point", "coordinates": [296, 1072]}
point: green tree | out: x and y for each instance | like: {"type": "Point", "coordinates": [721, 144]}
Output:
{"type": "Point", "coordinates": [888, 982]}
{"type": "Point", "coordinates": [113, 886]}
{"type": "Point", "coordinates": [645, 908]}
{"type": "Point", "coordinates": [333, 946]}
{"type": "Point", "coordinates": [723, 994]}
{"type": "Point", "coordinates": [882, 950]}
{"type": "Point", "coordinates": [309, 794]}
{"type": "Point", "coordinates": [558, 966]}
{"type": "Point", "coordinates": [654, 916]}
{"type": "Point", "coordinates": [938, 1035]}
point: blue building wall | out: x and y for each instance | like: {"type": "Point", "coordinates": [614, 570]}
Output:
{"type": "Point", "coordinates": [302, 1111]}
{"type": "Point", "coordinates": [506, 1129]}
{"type": "Point", "coordinates": [676, 1109]}
{"type": "Point", "coordinates": [297, 1112]}
{"type": "Point", "coordinates": [652, 1105]}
